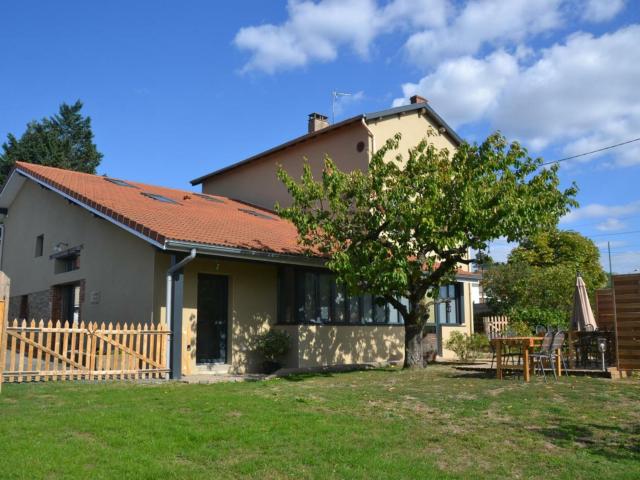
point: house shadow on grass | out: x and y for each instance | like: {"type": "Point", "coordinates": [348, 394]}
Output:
{"type": "Point", "coordinates": [619, 442]}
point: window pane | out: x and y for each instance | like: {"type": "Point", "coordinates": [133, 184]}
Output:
{"type": "Point", "coordinates": [393, 314]}
{"type": "Point", "coordinates": [286, 295]}
{"type": "Point", "coordinates": [380, 313]}
{"type": "Point", "coordinates": [338, 303]}
{"type": "Point", "coordinates": [354, 309]}
{"type": "Point", "coordinates": [324, 297]}
{"type": "Point", "coordinates": [367, 309]}
{"type": "Point", "coordinates": [310, 297]}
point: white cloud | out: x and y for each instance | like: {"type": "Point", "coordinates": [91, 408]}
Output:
{"type": "Point", "coordinates": [582, 93]}
{"type": "Point", "coordinates": [611, 225]}
{"type": "Point", "coordinates": [602, 10]}
{"type": "Point", "coordinates": [495, 22]}
{"type": "Point", "coordinates": [465, 89]}
{"type": "Point", "coordinates": [597, 210]}
{"type": "Point", "coordinates": [316, 31]}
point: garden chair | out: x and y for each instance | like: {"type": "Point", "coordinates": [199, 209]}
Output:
{"type": "Point", "coordinates": [541, 330]}
{"type": "Point", "coordinates": [551, 344]}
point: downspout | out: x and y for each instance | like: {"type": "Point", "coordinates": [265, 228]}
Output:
{"type": "Point", "coordinates": [169, 314]}
{"type": "Point", "coordinates": [370, 133]}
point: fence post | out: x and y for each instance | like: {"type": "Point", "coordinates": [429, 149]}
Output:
{"type": "Point", "coordinates": [5, 285]}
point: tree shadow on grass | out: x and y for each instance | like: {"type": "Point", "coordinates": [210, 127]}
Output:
{"type": "Point", "coordinates": [334, 371]}
{"type": "Point", "coordinates": [619, 442]}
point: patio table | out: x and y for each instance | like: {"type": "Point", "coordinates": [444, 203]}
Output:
{"type": "Point", "coordinates": [526, 343]}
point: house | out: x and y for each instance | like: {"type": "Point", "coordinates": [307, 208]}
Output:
{"type": "Point", "coordinates": [219, 266]}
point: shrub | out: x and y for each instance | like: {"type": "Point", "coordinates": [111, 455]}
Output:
{"type": "Point", "coordinates": [533, 316]}
{"type": "Point", "coordinates": [273, 344]}
{"type": "Point", "coordinates": [467, 347]}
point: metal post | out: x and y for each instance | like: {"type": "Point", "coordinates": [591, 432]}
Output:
{"type": "Point", "coordinates": [610, 269]}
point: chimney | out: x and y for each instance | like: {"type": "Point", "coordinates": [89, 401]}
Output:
{"type": "Point", "coordinates": [418, 99]}
{"type": "Point", "coordinates": [317, 122]}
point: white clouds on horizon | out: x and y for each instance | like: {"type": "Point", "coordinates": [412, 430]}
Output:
{"type": "Point", "coordinates": [581, 93]}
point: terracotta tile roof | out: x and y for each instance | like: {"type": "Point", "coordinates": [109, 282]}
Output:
{"type": "Point", "coordinates": [214, 220]}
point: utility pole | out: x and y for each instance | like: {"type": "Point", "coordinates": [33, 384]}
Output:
{"type": "Point", "coordinates": [610, 270]}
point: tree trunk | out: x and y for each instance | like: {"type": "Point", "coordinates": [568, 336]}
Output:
{"type": "Point", "coordinates": [413, 357]}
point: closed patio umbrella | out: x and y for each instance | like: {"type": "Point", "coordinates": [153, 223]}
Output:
{"type": "Point", "coordinates": [582, 318]}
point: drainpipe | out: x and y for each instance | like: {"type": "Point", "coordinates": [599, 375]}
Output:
{"type": "Point", "coordinates": [169, 313]}
{"type": "Point", "coordinates": [370, 133]}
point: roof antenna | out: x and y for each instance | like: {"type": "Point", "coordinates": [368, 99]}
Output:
{"type": "Point", "coordinates": [334, 97]}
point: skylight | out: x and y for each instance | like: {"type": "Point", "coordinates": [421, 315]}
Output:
{"type": "Point", "coordinates": [121, 183]}
{"type": "Point", "coordinates": [208, 197]}
{"type": "Point", "coordinates": [255, 213]}
{"type": "Point", "coordinates": [159, 198]}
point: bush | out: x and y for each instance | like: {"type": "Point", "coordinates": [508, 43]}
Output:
{"type": "Point", "coordinates": [467, 347]}
{"type": "Point", "coordinates": [534, 316]}
{"type": "Point", "coordinates": [273, 344]}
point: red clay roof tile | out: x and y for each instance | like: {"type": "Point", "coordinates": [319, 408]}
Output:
{"type": "Point", "coordinates": [192, 219]}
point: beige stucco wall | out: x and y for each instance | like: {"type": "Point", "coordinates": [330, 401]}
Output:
{"type": "Point", "coordinates": [251, 307]}
{"type": "Point", "coordinates": [413, 126]}
{"type": "Point", "coordinates": [257, 183]}
{"type": "Point", "coordinates": [117, 266]}
{"type": "Point", "coordinates": [321, 345]}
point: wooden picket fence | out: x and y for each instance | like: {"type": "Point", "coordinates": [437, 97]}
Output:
{"type": "Point", "coordinates": [38, 351]}
{"type": "Point", "coordinates": [495, 325]}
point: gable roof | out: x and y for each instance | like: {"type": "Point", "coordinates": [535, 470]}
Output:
{"type": "Point", "coordinates": [430, 112]}
{"type": "Point", "coordinates": [168, 218]}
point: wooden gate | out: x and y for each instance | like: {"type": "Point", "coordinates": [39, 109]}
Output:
{"type": "Point", "coordinates": [39, 351]}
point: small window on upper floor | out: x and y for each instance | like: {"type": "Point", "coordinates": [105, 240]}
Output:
{"type": "Point", "coordinates": [39, 245]}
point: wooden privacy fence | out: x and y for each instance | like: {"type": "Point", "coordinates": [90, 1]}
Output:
{"type": "Point", "coordinates": [38, 351]}
{"type": "Point", "coordinates": [620, 308]}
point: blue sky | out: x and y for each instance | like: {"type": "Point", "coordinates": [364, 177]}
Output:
{"type": "Point", "coordinates": [178, 89]}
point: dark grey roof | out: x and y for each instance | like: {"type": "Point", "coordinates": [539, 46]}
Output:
{"type": "Point", "coordinates": [366, 116]}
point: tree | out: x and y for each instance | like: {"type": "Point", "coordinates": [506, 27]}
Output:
{"type": "Point", "coordinates": [538, 280]}
{"type": "Point", "coordinates": [64, 140]}
{"type": "Point", "coordinates": [404, 227]}
{"type": "Point", "coordinates": [562, 247]}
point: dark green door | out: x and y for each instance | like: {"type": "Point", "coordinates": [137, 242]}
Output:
{"type": "Point", "coordinates": [213, 297]}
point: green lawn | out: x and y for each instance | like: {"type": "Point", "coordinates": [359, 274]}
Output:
{"type": "Point", "coordinates": [439, 423]}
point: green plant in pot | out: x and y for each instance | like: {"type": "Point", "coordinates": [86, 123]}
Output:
{"type": "Point", "coordinates": [272, 345]}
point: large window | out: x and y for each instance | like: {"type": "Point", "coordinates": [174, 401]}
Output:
{"type": "Point", "coordinates": [450, 308]}
{"type": "Point", "coordinates": [308, 296]}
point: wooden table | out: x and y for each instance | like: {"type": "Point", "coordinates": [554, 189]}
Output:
{"type": "Point", "coordinates": [526, 343]}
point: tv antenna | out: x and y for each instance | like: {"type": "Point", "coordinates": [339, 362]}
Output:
{"type": "Point", "coordinates": [334, 97]}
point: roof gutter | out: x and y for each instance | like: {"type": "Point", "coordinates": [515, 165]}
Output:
{"type": "Point", "coordinates": [173, 339]}
{"type": "Point", "coordinates": [370, 133]}
{"type": "Point", "coordinates": [245, 254]}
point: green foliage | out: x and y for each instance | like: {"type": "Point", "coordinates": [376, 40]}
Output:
{"type": "Point", "coordinates": [273, 344]}
{"type": "Point", "coordinates": [566, 248]}
{"type": "Point", "coordinates": [467, 347]}
{"type": "Point", "coordinates": [520, 328]}
{"type": "Point", "coordinates": [537, 283]}
{"type": "Point", "coordinates": [64, 140]}
{"type": "Point", "coordinates": [534, 316]}
{"type": "Point", "coordinates": [403, 227]}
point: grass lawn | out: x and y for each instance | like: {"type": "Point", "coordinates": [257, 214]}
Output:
{"type": "Point", "coordinates": [439, 423]}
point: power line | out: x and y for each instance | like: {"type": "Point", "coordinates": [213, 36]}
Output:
{"type": "Point", "coordinates": [591, 152]}
{"type": "Point", "coordinates": [612, 234]}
